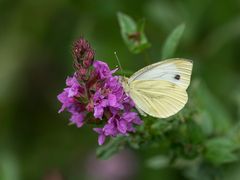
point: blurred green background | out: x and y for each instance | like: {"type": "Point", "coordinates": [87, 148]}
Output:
{"type": "Point", "coordinates": [35, 58]}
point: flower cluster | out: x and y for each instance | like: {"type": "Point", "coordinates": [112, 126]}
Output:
{"type": "Point", "coordinates": [94, 95]}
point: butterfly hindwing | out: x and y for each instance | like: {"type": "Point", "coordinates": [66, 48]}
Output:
{"type": "Point", "coordinates": [158, 98]}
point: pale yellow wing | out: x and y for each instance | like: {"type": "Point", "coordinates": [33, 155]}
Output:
{"type": "Point", "coordinates": [176, 70]}
{"type": "Point", "coordinates": [158, 98]}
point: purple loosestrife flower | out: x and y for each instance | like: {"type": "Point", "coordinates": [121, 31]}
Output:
{"type": "Point", "coordinates": [94, 95]}
{"type": "Point", "coordinates": [99, 104]}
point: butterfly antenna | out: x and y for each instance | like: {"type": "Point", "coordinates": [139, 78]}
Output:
{"type": "Point", "coordinates": [115, 53]}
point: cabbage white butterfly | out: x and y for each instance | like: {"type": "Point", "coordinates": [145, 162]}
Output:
{"type": "Point", "coordinates": [160, 88]}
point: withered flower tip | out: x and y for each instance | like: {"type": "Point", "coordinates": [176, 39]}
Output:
{"type": "Point", "coordinates": [83, 54]}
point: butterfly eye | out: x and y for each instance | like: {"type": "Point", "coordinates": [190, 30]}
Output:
{"type": "Point", "coordinates": [177, 77]}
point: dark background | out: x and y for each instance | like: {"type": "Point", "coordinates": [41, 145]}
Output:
{"type": "Point", "coordinates": [35, 58]}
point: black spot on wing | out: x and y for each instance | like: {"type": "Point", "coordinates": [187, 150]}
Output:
{"type": "Point", "coordinates": [177, 77]}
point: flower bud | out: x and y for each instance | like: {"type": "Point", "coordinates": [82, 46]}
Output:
{"type": "Point", "coordinates": [87, 62]}
{"type": "Point", "coordinates": [83, 54]}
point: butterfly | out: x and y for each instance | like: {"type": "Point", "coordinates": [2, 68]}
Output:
{"type": "Point", "coordinates": [159, 89]}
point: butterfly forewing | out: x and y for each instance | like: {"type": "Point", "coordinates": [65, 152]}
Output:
{"type": "Point", "coordinates": [176, 70]}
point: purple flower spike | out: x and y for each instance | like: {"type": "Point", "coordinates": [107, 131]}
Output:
{"type": "Point", "coordinates": [94, 94]}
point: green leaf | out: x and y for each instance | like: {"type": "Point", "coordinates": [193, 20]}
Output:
{"type": "Point", "coordinates": [158, 162]}
{"type": "Point", "coordinates": [205, 122]}
{"type": "Point", "coordinates": [162, 125]}
{"type": "Point", "coordinates": [210, 109]}
{"type": "Point", "coordinates": [234, 133]}
{"type": "Point", "coordinates": [172, 42]}
{"type": "Point", "coordinates": [133, 33]}
{"type": "Point", "coordinates": [194, 133]}
{"type": "Point", "coordinates": [107, 150]}
{"type": "Point", "coordinates": [221, 150]}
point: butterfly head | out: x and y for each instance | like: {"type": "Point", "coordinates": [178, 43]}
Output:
{"type": "Point", "coordinates": [124, 81]}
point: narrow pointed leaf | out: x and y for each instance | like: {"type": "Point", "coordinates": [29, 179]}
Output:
{"type": "Point", "coordinates": [221, 150]}
{"type": "Point", "coordinates": [172, 42]}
